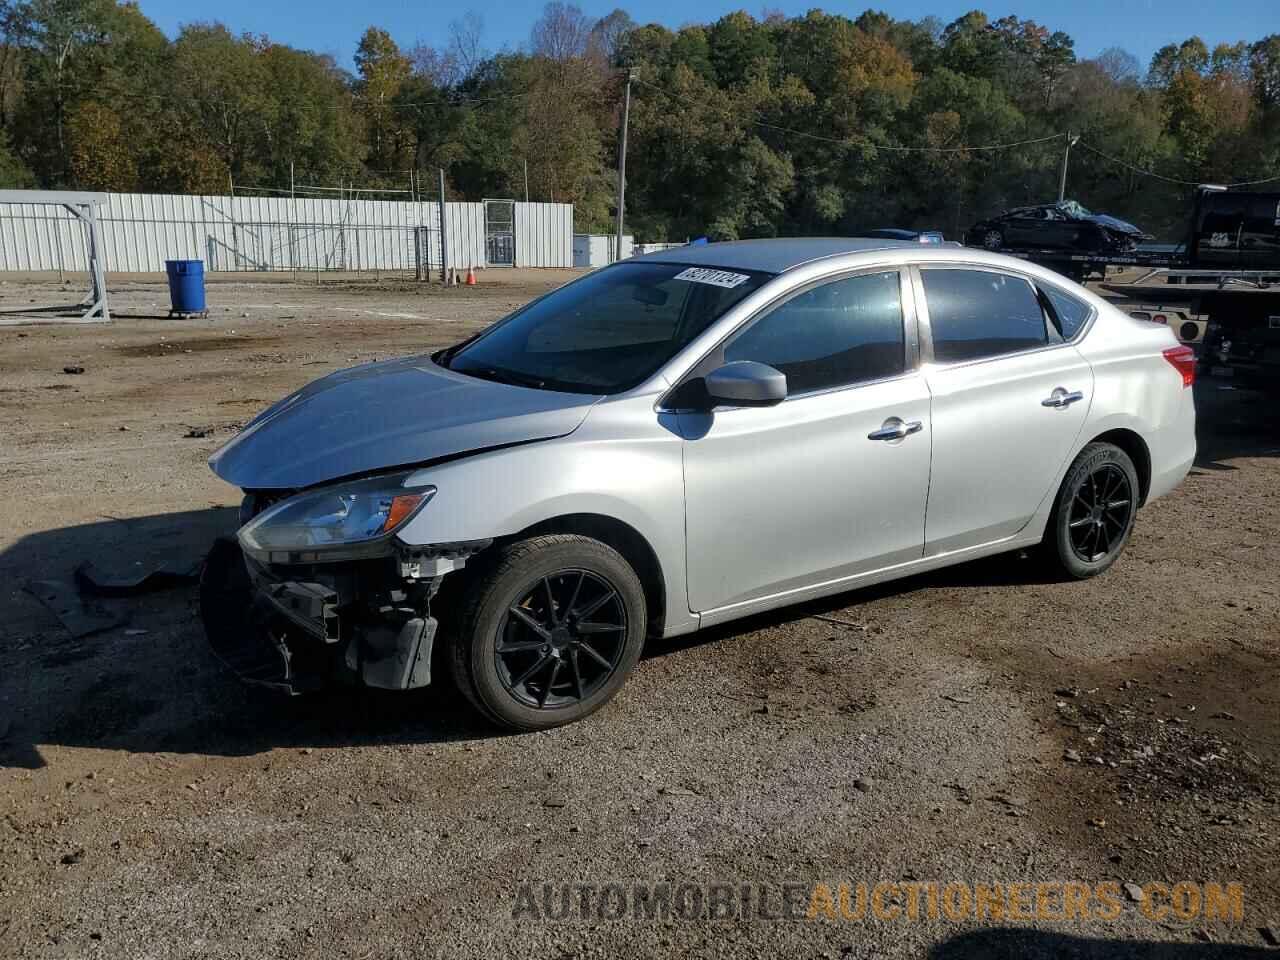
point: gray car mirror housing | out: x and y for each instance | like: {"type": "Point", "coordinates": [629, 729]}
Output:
{"type": "Point", "coordinates": [745, 383]}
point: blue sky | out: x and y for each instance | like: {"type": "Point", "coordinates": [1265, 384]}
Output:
{"type": "Point", "coordinates": [333, 26]}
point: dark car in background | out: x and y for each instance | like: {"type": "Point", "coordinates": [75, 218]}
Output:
{"type": "Point", "coordinates": [1055, 226]}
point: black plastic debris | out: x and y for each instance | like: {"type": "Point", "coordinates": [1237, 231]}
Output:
{"type": "Point", "coordinates": [97, 583]}
{"type": "Point", "coordinates": [64, 601]}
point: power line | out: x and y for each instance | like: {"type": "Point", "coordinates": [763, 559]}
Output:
{"type": "Point", "coordinates": [1176, 180]}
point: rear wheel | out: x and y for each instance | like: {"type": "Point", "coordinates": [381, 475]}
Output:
{"type": "Point", "coordinates": [549, 632]}
{"type": "Point", "coordinates": [1094, 513]}
{"type": "Point", "coordinates": [992, 239]}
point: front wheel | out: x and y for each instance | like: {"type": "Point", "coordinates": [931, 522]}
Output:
{"type": "Point", "coordinates": [1094, 513]}
{"type": "Point", "coordinates": [549, 631]}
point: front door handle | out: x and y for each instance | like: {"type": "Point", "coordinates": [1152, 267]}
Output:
{"type": "Point", "coordinates": [1061, 398]}
{"type": "Point", "coordinates": [895, 428]}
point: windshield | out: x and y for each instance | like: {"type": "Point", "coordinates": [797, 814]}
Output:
{"type": "Point", "coordinates": [1073, 209]}
{"type": "Point", "coordinates": [607, 332]}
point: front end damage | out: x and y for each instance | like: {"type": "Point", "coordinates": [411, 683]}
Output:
{"type": "Point", "coordinates": [299, 627]}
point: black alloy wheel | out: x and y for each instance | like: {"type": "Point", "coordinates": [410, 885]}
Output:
{"type": "Point", "coordinates": [562, 640]}
{"type": "Point", "coordinates": [1094, 512]}
{"type": "Point", "coordinates": [547, 631]}
{"type": "Point", "coordinates": [1100, 512]}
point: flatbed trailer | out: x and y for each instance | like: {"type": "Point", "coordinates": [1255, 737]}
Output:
{"type": "Point", "coordinates": [1078, 266]}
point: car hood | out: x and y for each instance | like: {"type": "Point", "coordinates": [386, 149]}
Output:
{"type": "Point", "coordinates": [1113, 223]}
{"type": "Point", "coordinates": [385, 415]}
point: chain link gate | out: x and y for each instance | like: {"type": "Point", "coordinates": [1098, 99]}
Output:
{"type": "Point", "coordinates": [500, 233]}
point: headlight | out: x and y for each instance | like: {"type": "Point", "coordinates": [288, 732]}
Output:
{"type": "Point", "coordinates": [344, 522]}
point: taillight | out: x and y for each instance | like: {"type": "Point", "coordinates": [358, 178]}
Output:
{"type": "Point", "coordinates": [1184, 361]}
{"type": "Point", "coordinates": [1160, 318]}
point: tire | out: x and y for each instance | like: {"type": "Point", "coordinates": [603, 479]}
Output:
{"type": "Point", "coordinates": [992, 239]}
{"type": "Point", "coordinates": [535, 668]}
{"type": "Point", "coordinates": [1094, 512]}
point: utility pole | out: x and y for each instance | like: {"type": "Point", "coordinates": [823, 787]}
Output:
{"type": "Point", "coordinates": [526, 180]}
{"type": "Point", "coordinates": [293, 216]}
{"type": "Point", "coordinates": [622, 162]}
{"type": "Point", "coordinates": [444, 234]}
{"type": "Point", "coordinates": [1062, 179]}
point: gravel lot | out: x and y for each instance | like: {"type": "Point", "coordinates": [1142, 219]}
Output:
{"type": "Point", "coordinates": [924, 731]}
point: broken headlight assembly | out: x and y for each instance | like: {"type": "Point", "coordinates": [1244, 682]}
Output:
{"type": "Point", "coordinates": [348, 521]}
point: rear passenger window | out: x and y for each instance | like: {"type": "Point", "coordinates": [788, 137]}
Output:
{"type": "Point", "coordinates": [845, 332]}
{"type": "Point", "coordinates": [974, 314]}
{"type": "Point", "coordinates": [1071, 313]}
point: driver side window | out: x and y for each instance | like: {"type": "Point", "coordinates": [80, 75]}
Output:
{"type": "Point", "coordinates": [841, 333]}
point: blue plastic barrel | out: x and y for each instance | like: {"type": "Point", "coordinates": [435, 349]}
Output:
{"type": "Point", "coordinates": [186, 285]}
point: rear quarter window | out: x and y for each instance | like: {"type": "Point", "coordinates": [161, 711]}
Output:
{"type": "Point", "coordinates": [1072, 314]}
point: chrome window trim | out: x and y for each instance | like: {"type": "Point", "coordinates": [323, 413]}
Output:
{"type": "Point", "coordinates": [910, 331]}
{"type": "Point", "coordinates": [926, 327]}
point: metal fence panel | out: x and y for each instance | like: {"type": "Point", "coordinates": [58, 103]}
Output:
{"type": "Point", "coordinates": [141, 231]}
{"type": "Point", "coordinates": [464, 225]}
{"type": "Point", "coordinates": [544, 234]}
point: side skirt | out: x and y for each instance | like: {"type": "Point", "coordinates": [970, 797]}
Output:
{"type": "Point", "coordinates": [884, 574]}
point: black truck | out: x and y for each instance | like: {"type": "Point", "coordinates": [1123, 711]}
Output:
{"type": "Point", "coordinates": [1235, 230]}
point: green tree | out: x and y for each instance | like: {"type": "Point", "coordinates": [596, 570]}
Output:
{"type": "Point", "coordinates": [383, 69]}
{"type": "Point", "coordinates": [14, 174]}
{"type": "Point", "coordinates": [1264, 70]}
{"type": "Point", "coordinates": [222, 100]}
{"type": "Point", "coordinates": [315, 129]}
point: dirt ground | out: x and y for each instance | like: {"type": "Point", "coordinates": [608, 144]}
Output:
{"type": "Point", "coordinates": [977, 725]}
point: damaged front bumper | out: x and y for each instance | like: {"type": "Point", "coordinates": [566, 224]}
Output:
{"type": "Point", "coordinates": [304, 627]}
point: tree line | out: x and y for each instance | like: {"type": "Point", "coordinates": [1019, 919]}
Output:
{"type": "Point", "coordinates": [743, 127]}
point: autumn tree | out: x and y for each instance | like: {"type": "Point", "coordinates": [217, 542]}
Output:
{"type": "Point", "coordinates": [744, 126]}
{"type": "Point", "coordinates": [101, 154]}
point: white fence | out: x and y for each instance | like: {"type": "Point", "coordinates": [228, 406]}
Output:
{"type": "Point", "coordinates": [596, 249]}
{"type": "Point", "coordinates": [141, 231]}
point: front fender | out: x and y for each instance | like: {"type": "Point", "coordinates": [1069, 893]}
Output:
{"type": "Point", "coordinates": [623, 464]}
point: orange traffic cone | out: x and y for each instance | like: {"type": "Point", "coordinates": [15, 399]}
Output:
{"type": "Point", "coordinates": [471, 276]}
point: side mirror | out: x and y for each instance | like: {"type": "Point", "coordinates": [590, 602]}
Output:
{"type": "Point", "coordinates": [745, 383]}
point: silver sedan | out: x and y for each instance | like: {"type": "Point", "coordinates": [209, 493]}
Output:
{"type": "Point", "coordinates": [676, 441]}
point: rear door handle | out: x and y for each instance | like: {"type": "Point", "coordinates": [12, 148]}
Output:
{"type": "Point", "coordinates": [895, 428]}
{"type": "Point", "coordinates": [1061, 398]}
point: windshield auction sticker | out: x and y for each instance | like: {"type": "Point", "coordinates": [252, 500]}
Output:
{"type": "Point", "coordinates": [717, 278]}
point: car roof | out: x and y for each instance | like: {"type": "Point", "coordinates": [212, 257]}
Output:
{"type": "Point", "coordinates": [817, 256]}
{"type": "Point", "coordinates": [771, 256]}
